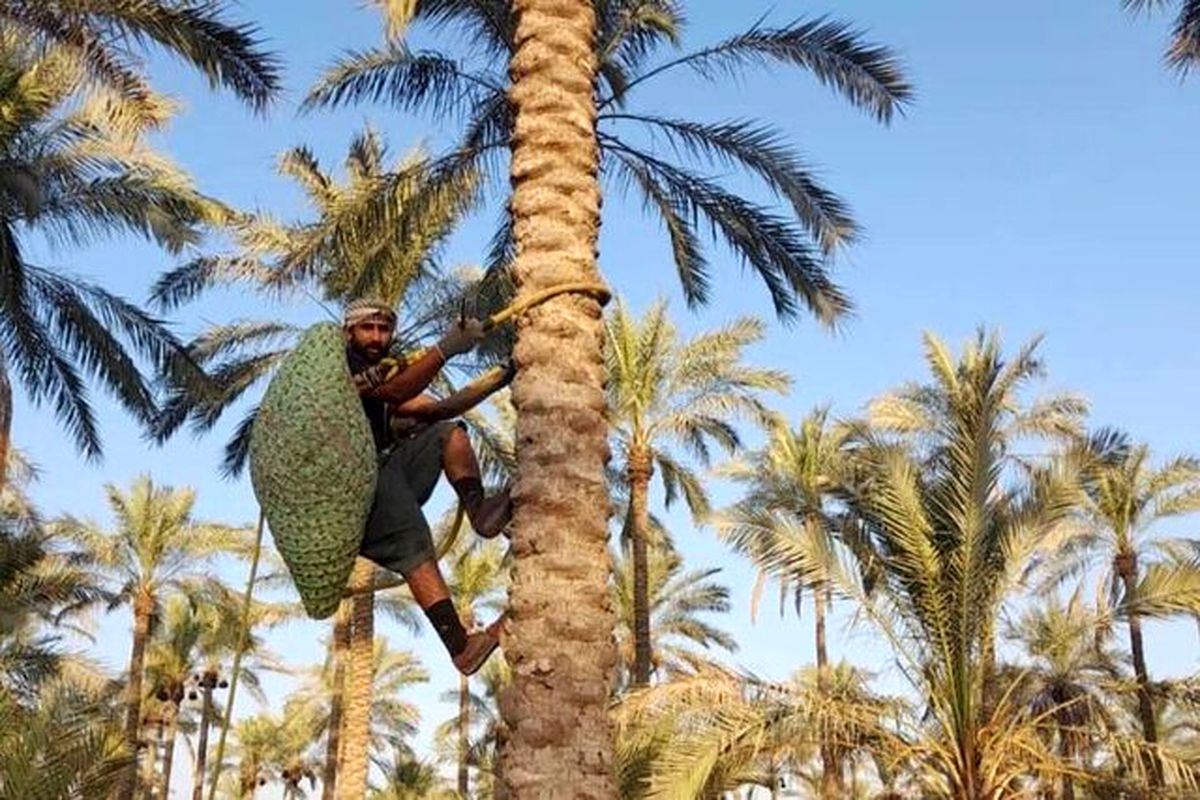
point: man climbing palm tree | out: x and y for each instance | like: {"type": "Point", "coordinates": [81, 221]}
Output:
{"type": "Point", "coordinates": [418, 439]}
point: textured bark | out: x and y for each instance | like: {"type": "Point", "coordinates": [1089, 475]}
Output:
{"type": "Point", "coordinates": [1126, 567]}
{"type": "Point", "coordinates": [360, 682]}
{"type": "Point", "coordinates": [6, 410]}
{"type": "Point", "coordinates": [207, 684]}
{"type": "Point", "coordinates": [559, 637]}
{"type": "Point", "coordinates": [639, 471]}
{"type": "Point", "coordinates": [340, 645]}
{"type": "Point", "coordinates": [831, 768]}
{"type": "Point", "coordinates": [143, 610]}
{"type": "Point", "coordinates": [168, 759]}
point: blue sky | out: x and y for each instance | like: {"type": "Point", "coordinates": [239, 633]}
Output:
{"type": "Point", "coordinates": [1042, 182]}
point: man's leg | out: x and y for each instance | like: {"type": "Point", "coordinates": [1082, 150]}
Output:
{"type": "Point", "coordinates": [468, 651]}
{"type": "Point", "coordinates": [488, 515]}
{"type": "Point", "coordinates": [397, 537]}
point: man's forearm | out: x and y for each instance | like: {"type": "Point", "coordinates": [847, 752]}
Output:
{"type": "Point", "coordinates": [427, 409]}
{"type": "Point", "coordinates": [412, 380]}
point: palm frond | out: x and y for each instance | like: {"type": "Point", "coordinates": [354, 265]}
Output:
{"type": "Point", "coordinates": [774, 247]}
{"type": "Point", "coordinates": [762, 151]}
{"type": "Point", "coordinates": [869, 76]}
{"type": "Point", "coordinates": [404, 79]}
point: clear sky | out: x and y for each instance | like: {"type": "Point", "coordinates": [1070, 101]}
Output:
{"type": "Point", "coordinates": [1043, 182]}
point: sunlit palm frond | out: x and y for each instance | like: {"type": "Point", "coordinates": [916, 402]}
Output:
{"type": "Point", "coordinates": [228, 53]}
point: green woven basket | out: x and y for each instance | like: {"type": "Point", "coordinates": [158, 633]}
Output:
{"type": "Point", "coordinates": [312, 465]}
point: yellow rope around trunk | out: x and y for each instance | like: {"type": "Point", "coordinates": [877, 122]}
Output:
{"type": "Point", "coordinates": [243, 638]}
{"type": "Point", "coordinates": [597, 291]}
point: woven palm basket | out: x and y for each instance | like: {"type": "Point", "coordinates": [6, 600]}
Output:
{"type": "Point", "coordinates": [312, 465]}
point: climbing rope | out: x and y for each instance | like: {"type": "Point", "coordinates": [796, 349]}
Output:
{"type": "Point", "coordinates": [595, 290]}
{"type": "Point", "coordinates": [243, 639]}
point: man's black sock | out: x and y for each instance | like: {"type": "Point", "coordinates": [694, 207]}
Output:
{"type": "Point", "coordinates": [469, 491]}
{"type": "Point", "coordinates": [448, 626]}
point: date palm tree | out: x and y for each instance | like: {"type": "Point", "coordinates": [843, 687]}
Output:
{"type": "Point", "coordinates": [390, 720]}
{"type": "Point", "coordinates": [956, 513]}
{"type": "Point", "coordinates": [71, 173]}
{"type": "Point", "coordinates": [717, 730]}
{"type": "Point", "coordinates": [63, 745]}
{"type": "Point", "coordinates": [1071, 675]}
{"type": "Point", "coordinates": [1126, 495]}
{"type": "Point", "coordinates": [44, 589]}
{"type": "Point", "coordinates": [665, 395]}
{"type": "Point", "coordinates": [679, 601]}
{"type": "Point", "coordinates": [156, 544]}
{"type": "Point", "coordinates": [787, 525]}
{"type": "Point", "coordinates": [476, 580]}
{"type": "Point", "coordinates": [472, 86]}
{"type": "Point", "coordinates": [329, 253]}
{"type": "Point", "coordinates": [105, 38]}
{"type": "Point", "coordinates": [555, 54]}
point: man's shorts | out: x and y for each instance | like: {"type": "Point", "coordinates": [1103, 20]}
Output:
{"type": "Point", "coordinates": [397, 536]}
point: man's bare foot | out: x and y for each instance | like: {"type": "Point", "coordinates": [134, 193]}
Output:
{"type": "Point", "coordinates": [480, 646]}
{"type": "Point", "coordinates": [492, 515]}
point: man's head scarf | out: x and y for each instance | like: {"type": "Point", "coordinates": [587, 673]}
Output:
{"type": "Point", "coordinates": [367, 308]}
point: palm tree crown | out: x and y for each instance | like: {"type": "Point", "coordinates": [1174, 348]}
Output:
{"type": "Point", "coordinates": [787, 251]}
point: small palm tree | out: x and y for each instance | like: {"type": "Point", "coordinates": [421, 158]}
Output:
{"type": "Point", "coordinates": [409, 779]}
{"type": "Point", "coordinates": [1126, 495]}
{"type": "Point", "coordinates": [787, 524]}
{"type": "Point", "coordinates": [717, 730]}
{"type": "Point", "coordinates": [336, 253]}
{"type": "Point", "coordinates": [44, 588]}
{"type": "Point", "coordinates": [71, 173]}
{"type": "Point", "coordinates": [678, 599]}
{"type": "Point", "coordinates": [298, 759]}
{"type": "Point", "coordinates": [954, 519]}
{"type": "Point", "coordinates": [1069, 680]}
{"type": "Point", "coordinates": [219, 610]}
{"type": "Point", "coordinates": [155, 545]}
{"type": "Point", "coordinates": [256, 751]}
{"type": "Point", "coordinates": [168, 665]}
{"type": "Point", "coordinates": [390, 719]}
{"type": "Point", "coordinates": [484, 731]}
{"type": "Point", "coordinates": [665, 394]}
{"type": "Point", "coordinates": [197, 631]}
{"type": "Point", "coordinates": [1183, 51]}
{"type": "Point", "coordinates": [64, 745]}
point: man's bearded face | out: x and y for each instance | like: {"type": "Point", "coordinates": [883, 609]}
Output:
{"type": "Point", "coordinates": [371, 338]}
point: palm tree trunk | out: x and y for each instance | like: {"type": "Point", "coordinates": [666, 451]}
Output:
{"type": "Point", "coordinates": [6, 411]}
{"type": "Point", "coordinates": [360, 681]}
{"type": "Point", "coordinates": [249, 783]}
{"type": "Point", "coordinates": [1126, 567]}
{"type": "Point", "coordinates": [150, 762]}
{"type": "Point", "coordinates": [559, 639]}
{"type": "Point", "coordinates": [208, 683]}
{"type": "Point", "coordinates": [340, 645]}
{"type": "Point", "coordinates": [143, 609]}
{"type": "Point", "coordinates": [639, 472]}
{"type": "Point", "coordinates": [464, 738]}
{"type": "Point", "coordinates": [831, 770]}
{"type": "Point", "coordinates": [169, 750]}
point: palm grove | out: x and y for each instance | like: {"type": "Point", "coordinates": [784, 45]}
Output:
{"type": "Point", "coordinates": [1006, 550]}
